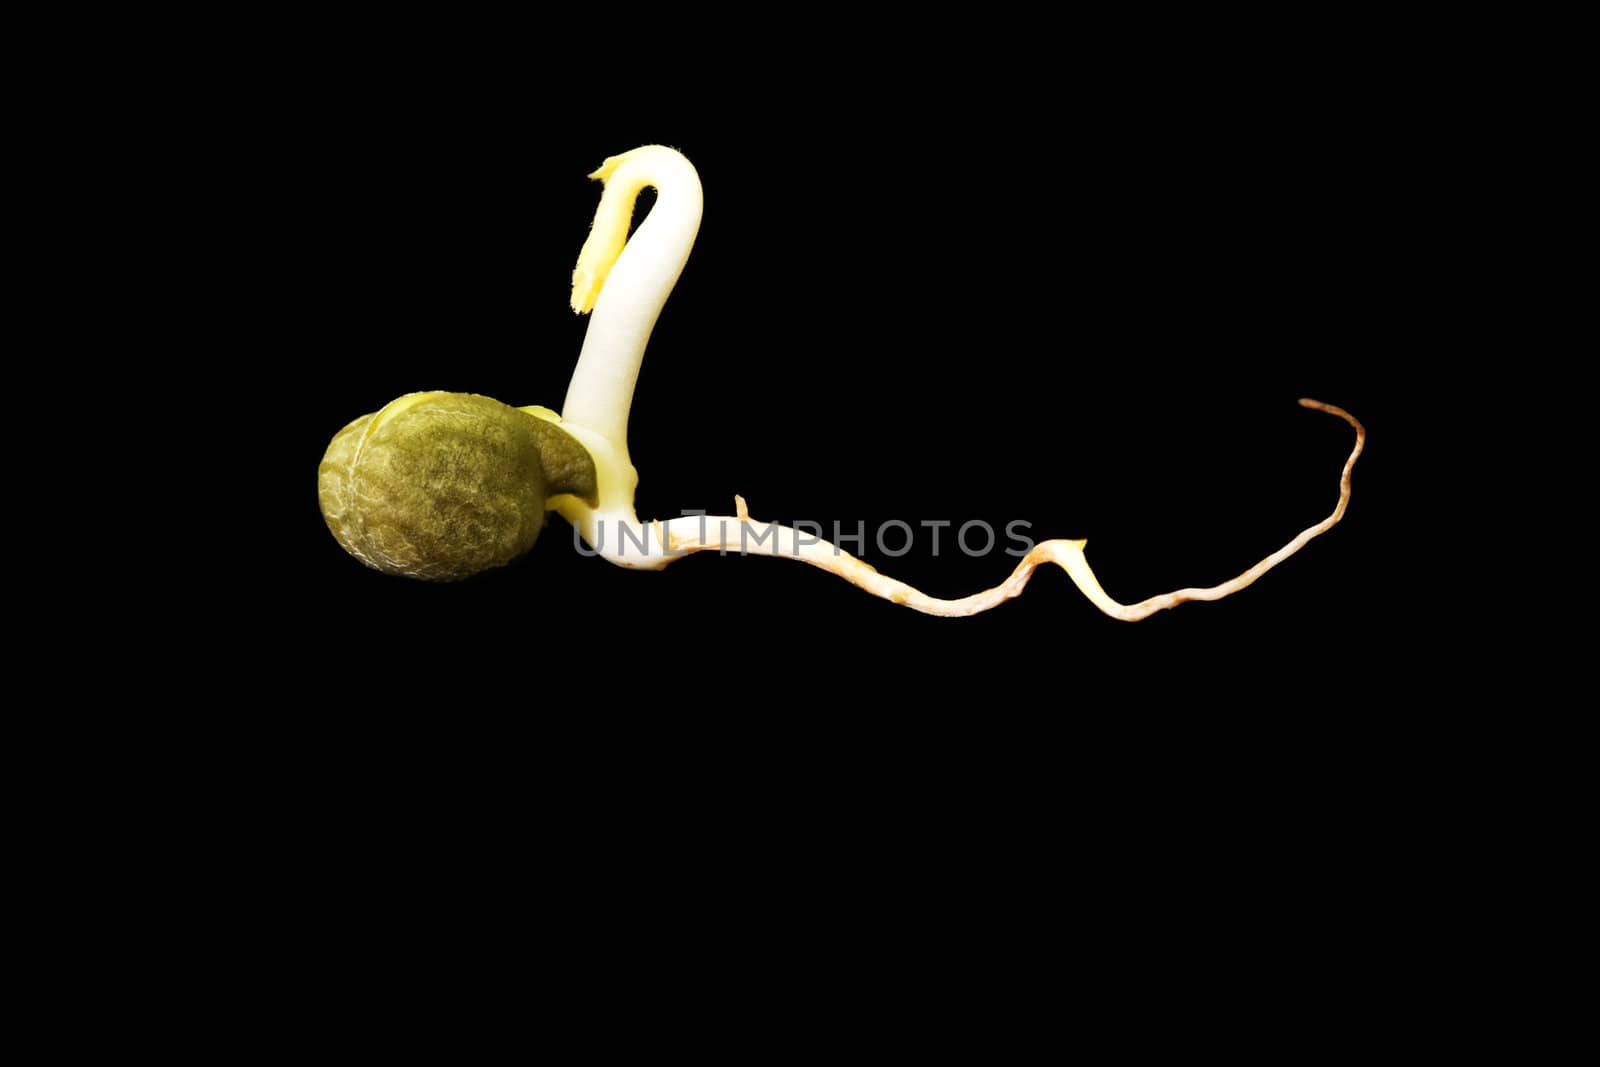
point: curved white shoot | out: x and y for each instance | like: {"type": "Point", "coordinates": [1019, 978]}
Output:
{"type": "Point", "coordinates": [625, 281]}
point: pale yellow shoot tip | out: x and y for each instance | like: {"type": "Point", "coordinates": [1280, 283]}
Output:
{"type": "Point", "coordinates": [607, 235]}
{"type": "Point", "coordinates": [600, 251]}
{"type": "Point", "coordinates": [604, 171]}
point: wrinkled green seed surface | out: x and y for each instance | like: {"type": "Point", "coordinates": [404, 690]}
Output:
{"type": "Point", "coordinates": [448, 486]}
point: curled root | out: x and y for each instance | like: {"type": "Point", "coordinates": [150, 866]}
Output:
{"type": "Point", "coordinates": [743, 534]}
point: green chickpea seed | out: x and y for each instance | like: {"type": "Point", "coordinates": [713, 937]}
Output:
{"type": "Point", "coordinates": [442, 486]}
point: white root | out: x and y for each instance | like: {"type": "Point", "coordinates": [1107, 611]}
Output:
{"type": "Point", "coordinates": [742, 534]}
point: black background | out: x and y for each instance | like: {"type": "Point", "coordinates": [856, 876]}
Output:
{"type": "Point", "coordinates": [1085, 293]}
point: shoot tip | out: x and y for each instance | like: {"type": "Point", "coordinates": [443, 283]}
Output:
{"type": "Point", "coordinates": [606, 169]}
{"type": "Point", "coordinates": [584, 289]}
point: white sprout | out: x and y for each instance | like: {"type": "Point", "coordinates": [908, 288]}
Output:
{"type": "Point", "coordinates": [625, 281]}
